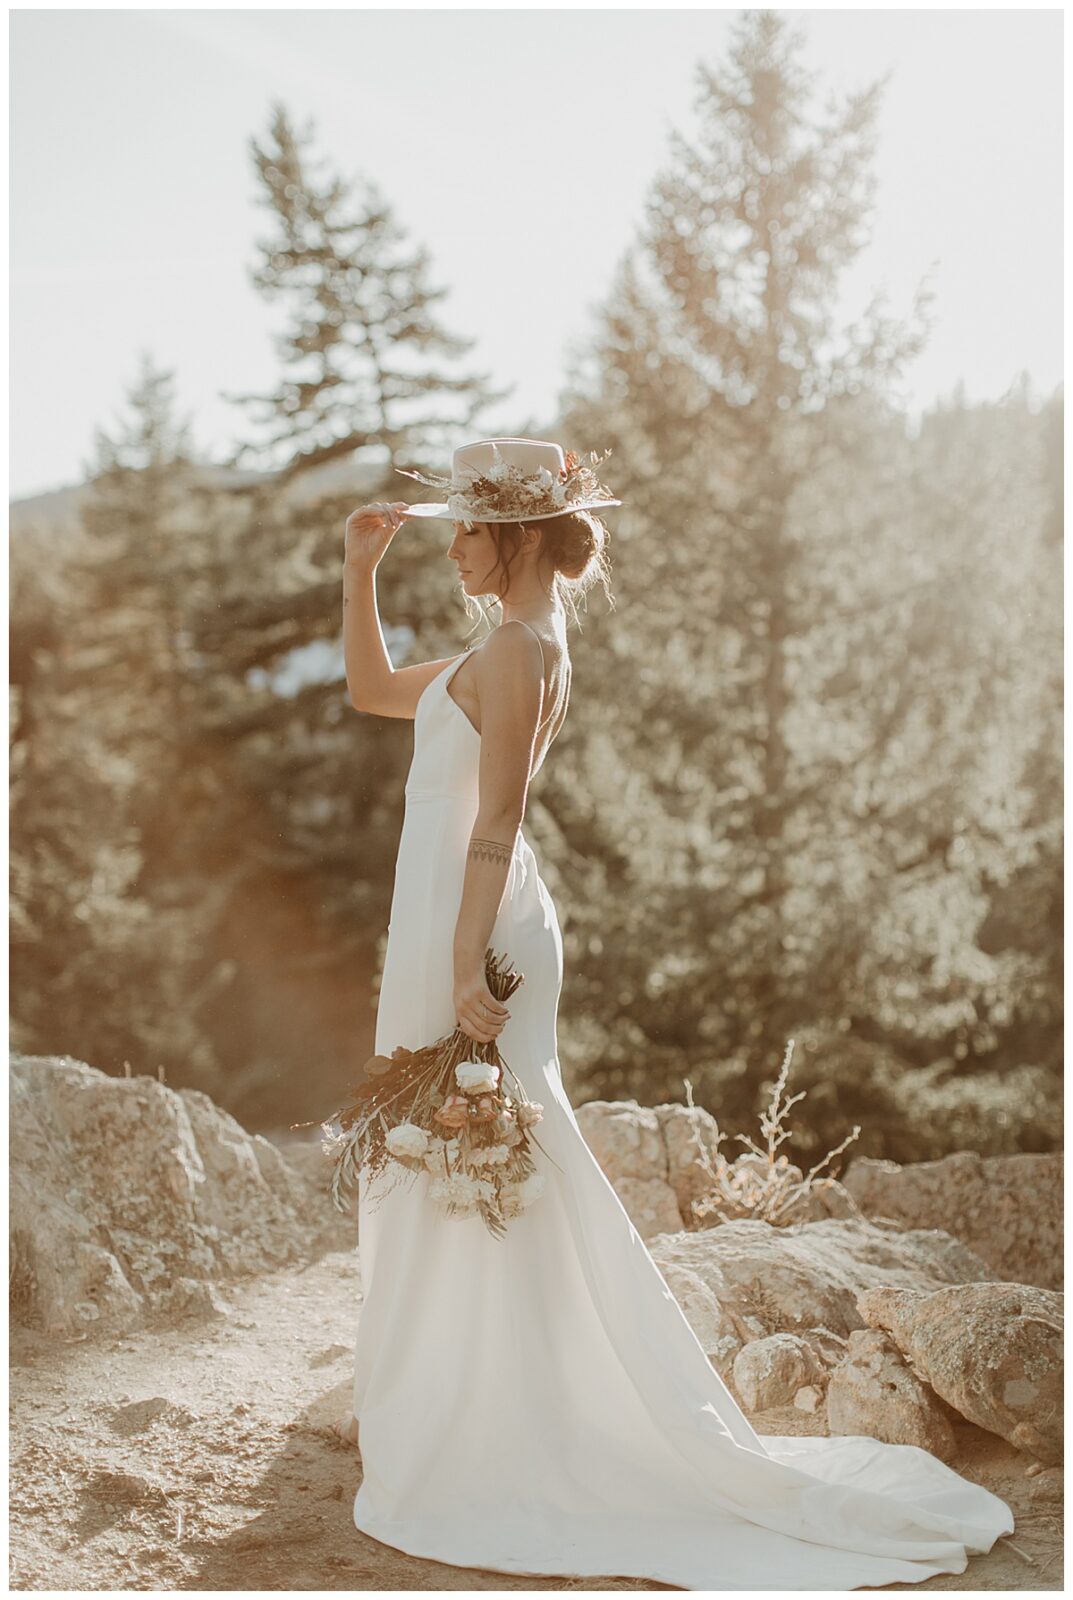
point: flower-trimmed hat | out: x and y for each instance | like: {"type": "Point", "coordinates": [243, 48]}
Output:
{"type": "Point", "coordinates": [515, 480]}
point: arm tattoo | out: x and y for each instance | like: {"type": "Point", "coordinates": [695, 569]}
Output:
{"type": "Point", "coordinates": [490, 850]}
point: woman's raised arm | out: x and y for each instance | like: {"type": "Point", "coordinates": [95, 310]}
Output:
{"type": "Point", "coordinates": [373, 683]}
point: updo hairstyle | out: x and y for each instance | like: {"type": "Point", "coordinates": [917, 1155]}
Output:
{"type": "Point", "coordinates": [573, 546]}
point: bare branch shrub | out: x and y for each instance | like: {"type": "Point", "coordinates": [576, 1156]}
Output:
{"type": "Point", "coordinates": [761, 1185]}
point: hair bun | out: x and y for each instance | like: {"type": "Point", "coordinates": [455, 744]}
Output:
{"type": "Point", "coordinates": [573, 548]}
{"type": "Point", "coordinates": [580, 541]}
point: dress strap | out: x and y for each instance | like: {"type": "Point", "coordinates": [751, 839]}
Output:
{"type": "Point", "coordinates": [544, 722]}
{"type": "Point", "coordinates": [533, 631]}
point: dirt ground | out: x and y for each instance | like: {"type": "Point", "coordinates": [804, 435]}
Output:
{"type": "Point", "coordinates": [197, 1455]}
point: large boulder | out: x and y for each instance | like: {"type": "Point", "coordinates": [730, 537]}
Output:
{"type": "Point", "coordinates": [1006, 1208]}
{"type": "Point", "coordinates": [129, 1198]}
{"type": "Point", "coordinates": [653, 1157]}
{"type": "Point", "coordinates": [659, 1160]}
{"type": "Point", "coordinates": [745, 1280]}
{"type": "Point", "coordinates": [690, 1138]}
{"type": "Point", "coordinates": [873, 1391]}
{"type": "Point", "coordinates": [993, 1351]}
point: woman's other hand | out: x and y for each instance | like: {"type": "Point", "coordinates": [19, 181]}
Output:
{"type": "Point", "coordinates": [480, 1015]}
{"type": "Point", "coordinates": [369, 531]}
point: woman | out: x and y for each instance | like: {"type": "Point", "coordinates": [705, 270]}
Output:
{"type": "Point", "coordinates": [538, 1403]}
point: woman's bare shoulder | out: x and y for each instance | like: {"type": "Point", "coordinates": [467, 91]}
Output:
{"type": "Point", "coordinates": [512, 648]}
{"type": "Point", "coordinates": [510, 658]}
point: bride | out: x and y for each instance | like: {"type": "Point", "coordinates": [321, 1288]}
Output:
{"type": "Point", "coordinates": [538, 1403]}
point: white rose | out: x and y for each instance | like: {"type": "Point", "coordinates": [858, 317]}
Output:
{"type": "Point", "coordinates": [476, 1077]}
{"type": "Point", "coordinates": [558, 493]}
{"type": "Point", "coordinates": [455, 1190]}
{"type": "Point", "coordinates": [407, 1140]}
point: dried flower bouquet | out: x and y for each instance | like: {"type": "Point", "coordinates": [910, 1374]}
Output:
{"type": "Point", "coordinates": [445, 1110]}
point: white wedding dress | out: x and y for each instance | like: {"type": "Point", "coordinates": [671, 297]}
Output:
{"type": "Point", "coordinates": [538, 1403]}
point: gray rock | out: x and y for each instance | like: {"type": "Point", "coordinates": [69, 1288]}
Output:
{"type": "Point", "coordinates": [626, 1140]}
{"type": "Point", "coordinates": [829, 1347]}
{"type": "Point", "coordinates": [1048, 1487]}
{"type": "Point", "coordinates": [650, 1157]}
{"type": "Point", "coordinates": [769, 1372]}
{"type": "Point", "coordinates": [993, 1351]}
{"type": "Point", "coordinates": [624, 1137]}
{"type": "Point", "coordinates": [129, 1198]}
{"type": "Point", "coordinates": [658, 1160]}
{"type": "Point", "coordinates": [1007, 1208]}
{"type": "Point", "coordinates": [746, 1280]}
{"type": "Point", "coordinates": [689, 1135]}
{"type": "Point", "coordinates": [872, 1391]}
{"type": "Point", "coordinates": [650, 1205]}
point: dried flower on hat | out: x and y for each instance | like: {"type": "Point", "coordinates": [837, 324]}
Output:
{"type": "Point", "coordinates": [505, 491]}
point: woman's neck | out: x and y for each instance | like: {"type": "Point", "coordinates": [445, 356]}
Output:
{"type": "Point", "coordinates": [540, 607]}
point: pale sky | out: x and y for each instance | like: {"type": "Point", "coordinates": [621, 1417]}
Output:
{"type": "Point", "coordinates": [135, 210]}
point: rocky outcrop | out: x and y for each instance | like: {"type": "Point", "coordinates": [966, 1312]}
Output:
{"type": "Point", "coordinates": [650, 1205]}
{"type": "Point", "coordinates": [747, 1280]}
{"type": "Point", "coordinates": [650, 1156]}
{"type": "Point", "coordinates": [993, 1351]}
{"type": "Point", "coordinates": [655, 1159]}
{"type": "Point", "coordinates": [873, 1391]}
{"type": "Point", "coordinates": [1006, 1208]}
{"type": "Point", "coordinates": [128, 1198]}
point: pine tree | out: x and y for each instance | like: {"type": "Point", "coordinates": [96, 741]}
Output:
{"type": "Point", "coordinates": [721, 379]}
{"type": "Point", "coordinates": [309, 791]}
{"type": "Point", "coordinates": [806, 609]}
{"type": "Point", "coordinates": [719, 382]}
{"type": "Point", "coordinates": [363, 326]}
{"type": "Point", "coordinates": [112, 909]}
{"type": "Point", "coordinates": [139, 482]}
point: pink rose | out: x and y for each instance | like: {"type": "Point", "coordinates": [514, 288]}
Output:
{"type": "Point", "coordinates": [454, 1113]}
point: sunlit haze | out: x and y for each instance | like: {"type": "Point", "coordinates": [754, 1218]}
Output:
{"type": "Point", "coordinates": [518, 147]}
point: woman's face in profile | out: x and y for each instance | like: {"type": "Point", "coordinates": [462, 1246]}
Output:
{"type": "Point", "coordinates": [473, 550]}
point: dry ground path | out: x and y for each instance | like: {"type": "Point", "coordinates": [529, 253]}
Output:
{"type": "Point", "coordinates": [198, 1455]}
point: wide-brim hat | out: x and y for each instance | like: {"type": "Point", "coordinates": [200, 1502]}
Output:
{"type": "Point", "coordinates": [514, 480]}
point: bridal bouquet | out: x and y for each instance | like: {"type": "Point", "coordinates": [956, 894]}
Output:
{"type": "Point", "coordinates": [446, 1110]}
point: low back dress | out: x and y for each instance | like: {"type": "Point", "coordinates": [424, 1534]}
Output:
{"type": "Point", "coordinates": [538, 1403]}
